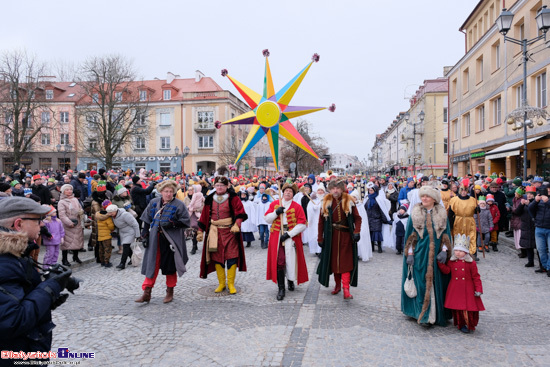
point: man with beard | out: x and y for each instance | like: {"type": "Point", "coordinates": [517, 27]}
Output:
{"type": "Point", "coordinates": [339, 232]}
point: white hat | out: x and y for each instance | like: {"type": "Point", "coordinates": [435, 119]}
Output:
{"type": "Point", "coordinates": [462, 243]}
{"type": "Point", "coordinates": [111, 208]}
{"type": "Point", "coordinates": [431, 192]}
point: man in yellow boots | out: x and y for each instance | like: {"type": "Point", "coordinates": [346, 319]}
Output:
{"type": "Point", "coordinates": [220, 225]}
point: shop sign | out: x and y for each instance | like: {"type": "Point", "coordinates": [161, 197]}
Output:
{"type": "Point", "coordinates": [460, 158]}
{"type": "Point", "coordinates": [477, 155]}
{"type": "Point", "coordinates": [145, 159]}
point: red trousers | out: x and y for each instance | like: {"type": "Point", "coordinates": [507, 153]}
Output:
{"type": "Point", "coordinates": [171, 279]}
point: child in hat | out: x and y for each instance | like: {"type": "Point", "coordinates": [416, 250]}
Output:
{"type": "Point", "coordinates": [495, 213]}
{"type": "Point", "coordinates": [464, 292]}
{"type": "Point", "coordinates": [400, 219]}
{"type": "Point", "coordinates": [484, 225]}
{"type": "Point", "coordinates": [105, 226]}
{"type": "Point", "coordinates": [55, 227]}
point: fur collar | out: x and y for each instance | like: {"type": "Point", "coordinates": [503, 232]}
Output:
{"type": "Point", "coordinates": [439, 219]}
{"type": "Point", "coordinates": [14, 243]}
{"type": "Point", "coordinates": [466, 258]}
{"type": "Point", "coordinates": [347, 204]}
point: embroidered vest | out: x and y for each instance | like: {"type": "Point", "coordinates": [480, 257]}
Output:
{"type": "Point", "coordinates": [290, 218]}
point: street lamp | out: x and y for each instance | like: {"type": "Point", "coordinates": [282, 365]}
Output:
{"type": "Point", "coordinates": [183, 154]}
{"type": "Point", "coordinates": [421, 116]}
{"type": "Point", "coordinates": [520, 116]}
{"type": "Point", "coordinates": [66, 148]}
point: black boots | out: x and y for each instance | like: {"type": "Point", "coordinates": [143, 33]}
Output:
{"type": "Point", "coordinates": [494, 245]}
{"type": "Point", "coordinates": [290, 285]}
{"type": "Point", "coordinates": [75, 257]}
{"type": "Point", "coordinates": [379, 247]}
{"type": "Point", "coordinates": [281, 284]}
{"type": "Point", "coordinates": [64, 255]}
{"type": "Point", "coordinates": [126, 253]}
{"type": "Point", "coordinates": [195, 248]}
{"type": "Point", "coordinates": [248, 244]}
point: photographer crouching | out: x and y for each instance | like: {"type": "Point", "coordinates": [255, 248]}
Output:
{"type": "Point", "coordinates": [27, 296]}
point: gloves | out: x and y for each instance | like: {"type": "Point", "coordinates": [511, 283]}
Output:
{"type": "Point", "coordinates": [145, 242]}
{"type": "Point", "coordinates": [60, 300]}
{"type": "Point", "coordinates": [280, 210]}
{"type": "Point", "coordinates": [199, 236]}
{"type": "Point", "coordinates": [235, 228]}
{"type": "Point", "coordinates": [442, 257]}
{"type": "Point", "coordinates": [477, 210]}
{"type": "Point", "coordinates": [284, 237]}
{"type": "Point", "coordinates": [44, 232]}
{"type": "Point", "coordinates": [410, 260]}
{"type": "Point", "coordinates": [356, 237]}
{"type": "Point", "coordinates": [127, 206]}
{"type": "Point", "coordinates": [477, 294]}
{"type": "Point", "coordinates": [320, 244]}
{"type": "Point", "coordinates": [63, 278]}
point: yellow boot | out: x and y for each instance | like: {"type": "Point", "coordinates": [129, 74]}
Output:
{"type": "Point", "coordinates": [231, 279]}
{"type": "Point", "coordinates": [221, 278]}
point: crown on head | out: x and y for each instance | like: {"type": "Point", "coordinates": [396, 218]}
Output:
{"type": "Point", "coordinates": [462, 241]}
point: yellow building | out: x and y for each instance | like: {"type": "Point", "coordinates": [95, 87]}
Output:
{"type": "Point", "coordinates": [486, 84]}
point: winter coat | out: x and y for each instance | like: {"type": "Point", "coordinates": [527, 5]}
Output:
{"type": "Point", "coordinates": [465, 281]}
{"type": "Point", "coordinates": [500, 200]}
{"type": "Point", "coordinates": [55, 226]}
{"type": "Point", "coordinates": [403, 193]}
{"type": "Point", "coordinates": [376, 217]}
{"type": "Point", "coordinates": [43, 193]}
{"type": "Point", "coordinates": [495, 213]}
{"type": "Point", "coordinates": [541, 212]}
{"type": "Point", "coordinates": [485, 221]}
{"type": "Point", "coordinates": [69, 209]}
{"type": "Point", "coordinates": [123, 202]}
{"type": "Point", "coordinates": [55, 195]}
{"type": "Point", "coordinates": [515, 221]}
{"type": "Point", "coordinates": [80, 189]}
{"type": "Point", "coordinates": [527, 238]}
{"type": "Point", "coordinates": [128, 228]}
{"type": "Point", "coordinates": [139, 196]}
{"type": "Point", "coordinates": [105, 226]}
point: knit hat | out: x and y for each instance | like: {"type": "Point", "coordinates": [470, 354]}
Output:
{"type": "Point", "coordinates": [111, 208]}
{"type": "Point", "coordinates": [477, 187]}
{"type": "Point", "coordinates": [135, 179]}
{"type": "Point", "coordinates": [120, 189]}
{"type": "Point", "coordinates": [101, 186]}
{"type": "Point", "coordinates": [431, 192]}
{"type": "Point", "coordinates": [462, 243]}
{"type": "Point", "coordinates": [490, 197]}
{"type": "Point", "coordinates": [404, 206]}
{"type": "Point", "coordinates": [4, 187]}
{"type": "Point", "coordinates": [52, 209]}
{"type": "Point", "coordinates": [517, 181]}
{"type": "Point", "coordinates": [65, 187]}
{"type": "Point", "coordinates": [105, 203]}
{"type": "Point", "coordinates": [51, 179]}
{"type": "Point", "coordinates": [27, 191]}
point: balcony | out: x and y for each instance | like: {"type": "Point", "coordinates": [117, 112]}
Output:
{"type": "Point", "coordinates": [205, 126]}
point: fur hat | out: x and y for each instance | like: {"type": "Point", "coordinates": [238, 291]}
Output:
{"type": "Point", "coordinates": [167, 184]}
{"type": "Point", "coordinates": [221, 179]}
{"type": "Point", "coordinates": [291, 186]}
{"type": "Point", "coordinates": [431, 192]}
{"type": "Point", "coordinates": [462, 243]}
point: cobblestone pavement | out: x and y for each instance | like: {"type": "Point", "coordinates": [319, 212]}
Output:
{"type": "Point", "coordinates": [310, 327]}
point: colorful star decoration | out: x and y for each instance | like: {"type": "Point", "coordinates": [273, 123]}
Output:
{"type": "Point", "coordinates": [271, 113]}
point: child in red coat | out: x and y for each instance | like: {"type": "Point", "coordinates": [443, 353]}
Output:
{"type": "Point", "coordinates": [493, 207]}
{"type": "Point", "coordinates": [464, 292]}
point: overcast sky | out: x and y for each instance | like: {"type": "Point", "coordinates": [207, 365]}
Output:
{"type": "Point", "coordinates": [374, 54]}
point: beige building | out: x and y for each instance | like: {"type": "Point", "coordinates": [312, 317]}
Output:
{"type": "Point", "coordinates": [486, 84]}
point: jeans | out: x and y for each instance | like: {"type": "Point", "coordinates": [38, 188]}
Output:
{"type": "Point", "coordinates": [542, 239]}
{"type": "Point", "coordinates": [264, 230]}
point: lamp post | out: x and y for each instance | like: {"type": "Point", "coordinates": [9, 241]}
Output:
{"type": "Point", "coordinates": [183, 154]}
{"type": "Point", "coordinates": [504, 23]}
{"type": "Point", "coordinates": [421, 116]}
{"type": "Point", "coordinates": [66, 148]}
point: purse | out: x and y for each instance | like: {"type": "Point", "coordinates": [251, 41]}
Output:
{"type": "Point", "coordinates": [409, 287]}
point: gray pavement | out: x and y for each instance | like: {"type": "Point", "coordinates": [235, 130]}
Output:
{"type": "Point", "coordinates": [310, 327]}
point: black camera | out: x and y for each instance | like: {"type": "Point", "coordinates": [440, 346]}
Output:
{"type": "Point", "coordinates": [72, 284]}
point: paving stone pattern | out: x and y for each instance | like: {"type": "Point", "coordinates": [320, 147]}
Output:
{"type": "Point", "coordinates": [310, 327]}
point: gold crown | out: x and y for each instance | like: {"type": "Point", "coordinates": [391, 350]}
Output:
{"type": "Point", "coordinates": [462, 241]}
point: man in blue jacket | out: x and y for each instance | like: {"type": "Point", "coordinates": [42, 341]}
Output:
{"type": "Point", "coordinates": [540, 211]}
{"type": "Point", "coordinates": [26, 300]}
{"type": "Point", "coordinates": [405, 190]}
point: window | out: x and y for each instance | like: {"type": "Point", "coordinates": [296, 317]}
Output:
{"type": "Point", "coordinates": [49, 93]}
{"type": "Point", "coordinates": [445, 145]}
{"type": "Point", "coordinates": [45, 163]}
{"type": "Point", "coordinates": [479, 69]}
{"type": "Point", "coordinates": [26, 121]}
{"type": "Point", "coordinates": [140, 143]}
{"type": "Point", "coordinates": [165, 142]}
{"type": "Point", "coordinates": [140, 166]}
{"type": "Point", "coordinates": [495, 56]}
{"type": "Point", "coordinates": [118, 96]}
{"type": "Point", "coordinates": [8, 117]}
{"type": "Point", "coordinates": [95, 98]}
{"type": "Point", "coordinates": [519, 95]}
{"type": "Point", "coordinates": [206, 141]}
{"type": "Point", "coordinates": [64, 117]}
{"type": "Point", "coordinates": [64, 139]}
{"type": "Point", "coordinates": [92, 120]}
{"type": "Point", "coordinates": [445, 114]}
{"type": "Point", "coordinates": [142, 95]}
{"type": "Point", "coordinates": [45, 139]}
{"type": "Point", "coordinates": [541, 90]}
{"type": "Point", "coordinates": [92, 145]}
{"type": "Point", "coordinates": [165, 167]}
{"type": "Point", "coordinates": [8, 139]}
{"type": "Point", "coordinates": [465, 81]}
{"type": "Point", "coordinates": [497, 103]}
{"type": "Point", "coordinates": [481, 118]}
{"type": "Point", "coordinates": [165, 119]}
{"type": "Point", "coordinates": [206, 116]}
{"type": "Point", "coordinates": [167, 94]}
{"type": "Point", "coordinates": [453, 90]}
{"type": "Point", "coordinates": [466, 123]}
{"type": "Point", "coordinates": [45, 117]}
{"type": "Point", "coordinates": [141, 117]}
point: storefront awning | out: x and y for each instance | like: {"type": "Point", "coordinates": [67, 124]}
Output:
{"type": "Point", "coordinates": [510, 149]}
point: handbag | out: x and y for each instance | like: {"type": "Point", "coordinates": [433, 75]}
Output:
{"type": "Point", "coordinates": [409, 287]}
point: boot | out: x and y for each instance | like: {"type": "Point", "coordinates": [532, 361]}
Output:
{"type": "Point", "coordinates": [125, 253]}
{"type": "Point", "coordinates": [262, 244]}
{"type": "Point", "coordinates": [346, 277]}
{"type": "Point", "coordinates": [380, 247]}
{"type": "Point", "coordinates": [495, 244]}
{"type": "Point", "coordinates": [146, 297]}
{"type": "Point", "coordinates": [372, 245]}
{"type": "Point", "coordinates": [231, 272]}
{"type": "Point", "coordinates": [522, 254]}
{"type": "Point", "coordinates": [64, 255]}
{"type": "Point", "coordinates": [248, 243]}
{"type": "Point", "coordinates": [530, 265]}
{"type": "Point", "coordinates": [281, 284]}
{"type": "Point", "coordinates": [169, 295]}
{"type": "Point", "coordinates": [195, 248]}
{"type": "Point", "coordinates": [338, 286]}
{"type": "Point", "coordinates": [221, 278]}
{"type": "Point", "coordinates": [290, 285]}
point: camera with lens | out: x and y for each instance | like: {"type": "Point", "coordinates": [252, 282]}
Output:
{"type": "Point", "coordinates": [73, 283]}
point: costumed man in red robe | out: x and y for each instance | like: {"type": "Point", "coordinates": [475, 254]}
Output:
{"type": "Point", "coordinates": [285, 254]}
{"type": "Point", "coordinates": [339, 232]}
{"type": "Point", "coordinates": [220, 222]}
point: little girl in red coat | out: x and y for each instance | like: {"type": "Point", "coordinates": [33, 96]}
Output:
{"type": "Point", "coordinates": [464, 291]}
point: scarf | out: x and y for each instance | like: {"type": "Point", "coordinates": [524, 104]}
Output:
{"type": "Point", "coordinates": [372, 199]}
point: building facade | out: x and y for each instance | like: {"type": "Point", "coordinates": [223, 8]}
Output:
{"type": "Point", "coordinates": [486, 85]}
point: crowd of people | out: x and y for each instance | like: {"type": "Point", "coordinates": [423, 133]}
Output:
{"type": "Point", "coordinates": [441, 226]}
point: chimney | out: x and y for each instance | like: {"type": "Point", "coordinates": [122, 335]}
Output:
{"type": "Point", "coordinates": [198, 76]}
{"type": "Point", "coordinates": [170, 77]}
{"type": "Point", "coordinates": [46, 78]}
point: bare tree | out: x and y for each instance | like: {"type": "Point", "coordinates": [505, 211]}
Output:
{"type": "Point", "coordinates": [112, 114]}
{"type": "Point", "coordinates": [22, 101]}
{"type": "Point", "coordinates": [304, 161]}
{"type": "Point", "coordinates": [228, 153]}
